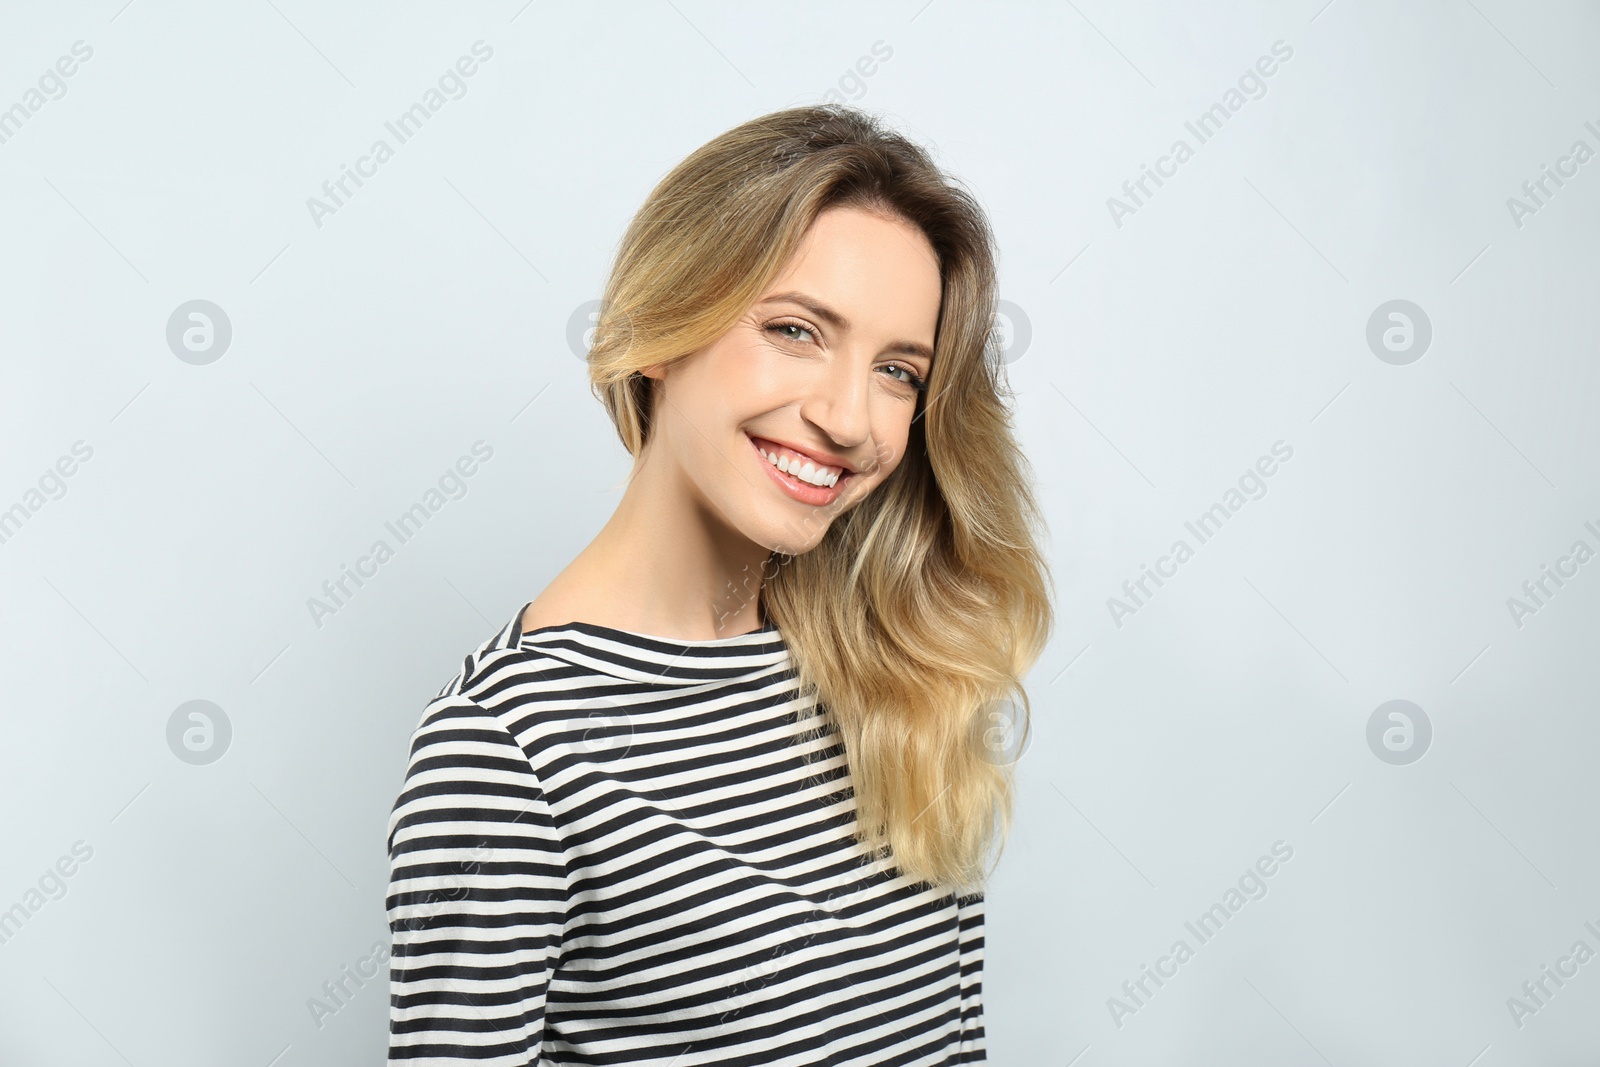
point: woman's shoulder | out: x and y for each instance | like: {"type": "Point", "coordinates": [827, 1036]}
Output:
{"type": "Point", "coordinates": [504, 697]}
{"type": "Point", "coordinates": [500, 674]}
{"type": "Point", "coordinates": [507, 678]}
{"type": "Point", "coordinates": [543, 612]}
{"type": "Point", "coordinates": [566, 682]}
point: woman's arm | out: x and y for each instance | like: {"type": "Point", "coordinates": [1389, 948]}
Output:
{"type": "Point", "coordinates": [477, 895]}
{"type": "Point", "coordinates": [970, 911]}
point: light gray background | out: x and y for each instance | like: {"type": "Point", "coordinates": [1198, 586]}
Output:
{"type": "Point", "coordinates": [1163, 356]}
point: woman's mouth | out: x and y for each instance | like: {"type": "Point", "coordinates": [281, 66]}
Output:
{"type": "Point", "coordinates": [800, 476]}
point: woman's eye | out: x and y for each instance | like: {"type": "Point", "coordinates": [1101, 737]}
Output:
{"type": "Point", "coordinates": [910, 378]}
{"type": "Point", "coordinates": [794, 331]}
{"type": "Point", "coordinates": [779, 327]}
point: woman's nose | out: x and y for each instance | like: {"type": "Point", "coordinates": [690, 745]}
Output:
{"type": "Point", "coordinates": [840, 401]}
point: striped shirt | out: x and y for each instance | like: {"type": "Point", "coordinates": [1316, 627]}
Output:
{"type": "Point", "coordinates": [609, 849]}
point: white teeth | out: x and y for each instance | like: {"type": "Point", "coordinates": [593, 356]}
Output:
{"type": "Point", "coordinates": [805, 471]}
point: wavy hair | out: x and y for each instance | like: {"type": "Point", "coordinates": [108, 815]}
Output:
{"type": "Point", "coordinates": [916, 616]}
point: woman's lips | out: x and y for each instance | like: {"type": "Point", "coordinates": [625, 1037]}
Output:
{"type": "Point", "coordinates": [805, 492]}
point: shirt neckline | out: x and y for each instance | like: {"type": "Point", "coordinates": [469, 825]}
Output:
{"type": "Point", "coordinates": [518, 633]}
{"type": "Point", "coordinates": [640, 657]}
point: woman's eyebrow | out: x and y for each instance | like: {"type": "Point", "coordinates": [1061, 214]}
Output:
{"type": "Point", "coordinates": [839, 322]}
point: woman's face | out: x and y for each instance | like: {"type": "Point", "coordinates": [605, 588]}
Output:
{"type": "Point", "coordinates": [819, 370]}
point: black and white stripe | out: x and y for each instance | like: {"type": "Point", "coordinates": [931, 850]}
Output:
{"type": "Point", "coordinates": [609, 850]}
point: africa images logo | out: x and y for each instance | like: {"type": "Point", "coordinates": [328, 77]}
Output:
{"type": "Point", "coordinates": [406, 126]}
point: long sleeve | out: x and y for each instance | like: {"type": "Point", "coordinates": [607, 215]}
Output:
{"type": "Point", "coordinates": [477, 896]}
{"type": "Point", "coordinates": [971, 915]}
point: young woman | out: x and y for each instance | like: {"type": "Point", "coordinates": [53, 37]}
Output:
{"type": "Point", "coordinates": [726, 791]}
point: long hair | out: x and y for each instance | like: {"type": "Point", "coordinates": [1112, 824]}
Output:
{"type": "Point", "coordinates": [915, 618]}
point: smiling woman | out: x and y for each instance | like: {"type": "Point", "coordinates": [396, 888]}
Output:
{"type": "Point", "coordinates": [838, 398]}
{"type": "Point", "coordinates": [665, 816]}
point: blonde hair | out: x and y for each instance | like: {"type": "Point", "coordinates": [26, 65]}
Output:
{"type": "Point", "coordinates": [917, 615]}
